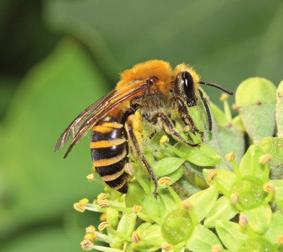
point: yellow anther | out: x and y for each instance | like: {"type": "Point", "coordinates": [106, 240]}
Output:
{"type": "Point", "coordinates": [103, 203]}
{"type": "Point", "coordinates": [243, 220]}
{"type": "Point", "coordinates": [102, 196]}
{"type": "Point", "coordinates": [166, 181]}
{"type": "Point", "coordinates": [266, 158]}
{"type": "Point", "coordinates": [280, 239]}
{"type": "Point", "coordinates": [137, 209]}
{"type": "Point", "coordinates": [166, 246]}
{"type": "Point", "coordinates": [187, 128]}
{"type": "Point", "coordinates": [164, 139]}
{"type": "Point", "coordinates": [90, 236]}
{"type": "Point", "coordinates": [211, 174]}
{"type": "Point", "coordinates": [223, 97]}
{"type": "Point", "coordinates": [87, 245]}
{"type": "Point", "coordinates": [80, 206]}
{"type": "Point", "coordinates": [216, 248]}
{"type": "Point", "coordinates": [234, 198]}
{"type": "Point", "coordinates": [187, 205]}
{"type": "Point", "coordinates": [103, 217]}
{"type": "Point", "coordinates": [235, 107]}
{"type": "Point", "coordinates": [103, 225]}
{"type": "Point", "coordinates": [230, 156]}
{"type": "Point", "coordinates": [268, 187]}
{"type": "Point", "coordinates": [90, 229]}
{"type": "Point", "coordinates": [90, 177]}
{"type": "Point", "coordinates": [136, 237]}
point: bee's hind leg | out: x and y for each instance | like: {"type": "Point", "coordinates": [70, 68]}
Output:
{"type": "Point", "coordinates": [140, 154]}
{"type": "Point", "coordinates": [169, 129]}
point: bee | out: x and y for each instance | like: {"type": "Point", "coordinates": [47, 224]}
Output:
{"type": "Point", "coordinates": [152, 88]}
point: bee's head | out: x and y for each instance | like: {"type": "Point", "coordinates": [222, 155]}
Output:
{"type": "Point", "coordinates": [186, 83]}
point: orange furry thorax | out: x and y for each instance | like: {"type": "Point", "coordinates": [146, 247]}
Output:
{"type": "Point", "coordinates": [158, 68]}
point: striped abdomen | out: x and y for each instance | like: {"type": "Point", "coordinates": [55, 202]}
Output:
{"type": "Point", "coordinates": [109, 154]}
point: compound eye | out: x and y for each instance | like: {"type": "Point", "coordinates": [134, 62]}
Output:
{"type": "Point", "coordinates": [188, 84]}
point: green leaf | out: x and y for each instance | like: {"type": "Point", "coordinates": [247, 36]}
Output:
{"type": "Point", "coordinates": [48, 239]}
{"type": "Point", "coordinates": [275, 228]}
{"type": "Point", "coordinates": [167, 165]}
{"type": "Point", "coordinates": [231, 139]}
{"type": "Point", "coordinates": [201, 202]}
{"type": "Point", "coordinates": [279, 110]}
{"type": "Point", "coordinates": [223, 180]}
{"type": "Point", "coordinates": [219, 115]}
{"type": "Point", "coordinates": [203, 240]}
{"type": "Point", "coordinates": [222, 211]}
{"type": "Point", "coordinates": [256, 99]}
{"type": "Point", "coordinates": [230, 234]}
{"type": "Point", "coordinates": [259, 218]}
{"type": "Point", "coordinates": [125, 227]}
{"type": "Point", "coordinates": [274, 146]}
{"type": "Point", "coordinates": [177, 226]}
{"type": "Point", "coordinates": [278, 188]}
{"type": "Point", "coordinates": [250, 165]}
{"type": "Point", "coordinates": [150, 238]}
{"type": "Point", "coordinates": [52, 94]}
{"type": "Point", "coordinates": [203, 156]}
{"type": "Point", "coordinates": [255, 90]}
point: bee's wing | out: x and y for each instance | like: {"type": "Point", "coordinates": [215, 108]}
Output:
{"type": "Point", "coordinates": [96, 111]}
{"type": "Point", "coordinates": [73, 127]}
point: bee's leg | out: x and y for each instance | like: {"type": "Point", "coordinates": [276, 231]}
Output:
{"type": "Point", "coordinates": [187, 119]}
{"type": "Point", "coordinates": [168, 127]}
{"type": "Point", "coordinates": [140, 154]}
{"type": "Point", "coordinates": [205, 103]}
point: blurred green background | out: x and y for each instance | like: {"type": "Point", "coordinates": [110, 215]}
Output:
{"type": "Point", "coordinates": [58, 56]}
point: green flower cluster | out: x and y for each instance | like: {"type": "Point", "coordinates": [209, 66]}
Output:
{"type": "Point", "coordinates": [208, 200]}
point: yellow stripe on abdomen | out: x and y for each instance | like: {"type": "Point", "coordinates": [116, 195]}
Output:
{"type": "Point", "coordinates": [107, 143]}
{"type": "Point", "coordinates": [109, 161]}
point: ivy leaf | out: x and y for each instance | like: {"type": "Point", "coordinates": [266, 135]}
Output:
{"type": "Point", "coordinates": [39, 181]}
{"type": "Point", "coordinates": [255, 98]}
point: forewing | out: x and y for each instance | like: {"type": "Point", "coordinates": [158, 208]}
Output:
{"type": "Point", "coordinates": [96, 111]}
{"type": "Point", "coordinates": [71, 131]}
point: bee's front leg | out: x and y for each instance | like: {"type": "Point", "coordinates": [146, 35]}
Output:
{"type": "Point", "coordinates": [169, 128]}
{"type": "Point", "coordinates": [139, 153]}
{"type": "Point", "coordinates": [205, 103]}
{"type": "Point", "coordinates": [187, 119]}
